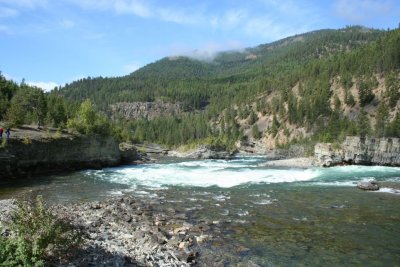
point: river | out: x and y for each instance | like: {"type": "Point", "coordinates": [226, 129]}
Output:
{"type": "Point", "coordinates": [272, 216]}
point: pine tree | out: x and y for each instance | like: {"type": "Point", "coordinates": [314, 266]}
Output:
{"type": "Point", "coordinates": [382, 115]}
{"type": "Point", "coordinates": [255, 132]}
{"type": "Point", "coordinates": [363, 124]}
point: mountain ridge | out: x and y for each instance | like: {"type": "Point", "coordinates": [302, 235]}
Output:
{"type": "Point", "coordinates": [285, 91]}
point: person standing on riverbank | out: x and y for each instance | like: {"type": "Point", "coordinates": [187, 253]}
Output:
{"type": "Point", "coordinates": [8, 133]}
{"type": "Point", "coordinates": [1, 132]}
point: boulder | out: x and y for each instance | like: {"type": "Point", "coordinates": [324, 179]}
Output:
{"type": "Point", "coordinates": [369, 186]}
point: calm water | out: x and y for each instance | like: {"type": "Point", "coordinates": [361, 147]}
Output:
{"type": "Point", "coordinates": [271, 216]}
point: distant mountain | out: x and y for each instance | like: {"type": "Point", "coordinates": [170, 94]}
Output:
{"type": "Point", "coordinates": [294, 88]}
{"type": "Point", "coordinates": [150, 82]}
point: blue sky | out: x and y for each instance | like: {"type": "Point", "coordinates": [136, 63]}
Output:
{"type": "Point", "coordinates": [52, 42]}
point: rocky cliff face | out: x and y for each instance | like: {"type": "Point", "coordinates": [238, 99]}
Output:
{"type": "Point", "coordinates": [25, 158]}
{"type": "Point", "coordinates": [259, 147]}
{"type": "Point", "coordinates": [202, 152]}
{"type": "Point", "coordinates": [147, 110]}
{"type": "Point", "coordinates": [361, 151]}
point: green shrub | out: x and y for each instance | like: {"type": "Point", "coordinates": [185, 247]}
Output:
{"type": "Point", "coordinates": [36, 236]}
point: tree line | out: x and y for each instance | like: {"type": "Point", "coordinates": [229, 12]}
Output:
{"type": "Point", "coordinates": [217, 95]}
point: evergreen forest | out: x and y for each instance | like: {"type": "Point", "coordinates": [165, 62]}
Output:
{"type": "Point", "coordinates": [317, 86]}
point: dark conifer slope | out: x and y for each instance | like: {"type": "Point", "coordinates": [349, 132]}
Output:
{"type": "Point", "coordinates": [320, 85]}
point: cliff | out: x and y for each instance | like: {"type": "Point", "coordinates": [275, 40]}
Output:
{"type": "Point", "coordinates": [359, 151]}
{"type": "Point", "coordinates": [146, 110]}
{"type": "Point", "coordinates": [23, 157]}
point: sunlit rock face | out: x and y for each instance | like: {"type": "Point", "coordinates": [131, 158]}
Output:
{"type": "Point", "coordinates": [360, 151]}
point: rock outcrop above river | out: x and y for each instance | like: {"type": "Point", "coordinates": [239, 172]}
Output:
{"type": "Point", "coordinates": [144, 110]}
{"type": "Point", "coordinates": [202, 152]}
{"type": "Point", "coordinates": [260, 148]}
{"type": "Point", "coordinates": [25, 157]}
{"type": "Point", "coordinates": [359, 151]}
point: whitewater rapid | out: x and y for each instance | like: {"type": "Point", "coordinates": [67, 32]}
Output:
{"type": "Point", "coordinates": [240, 171]}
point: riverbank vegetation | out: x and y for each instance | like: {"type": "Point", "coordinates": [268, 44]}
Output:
{"type": "Point", "coordinates": [35, 236]}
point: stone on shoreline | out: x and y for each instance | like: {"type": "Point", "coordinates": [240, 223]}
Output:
{"type": "Point", "coordinates": [152, 236]}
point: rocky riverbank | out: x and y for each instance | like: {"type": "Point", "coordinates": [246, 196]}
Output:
{"type": "Point", "coordinates": [130, 231]}
{"type": "Point", "coordinates": [359, 151]}
{"type": "Point", "coordinates": [36, 152]}
{"type": "Point", "coordinates": [203, 152]}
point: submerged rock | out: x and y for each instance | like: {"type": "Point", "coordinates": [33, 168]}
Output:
{"type": "Point", "coordinates": [370, 185]}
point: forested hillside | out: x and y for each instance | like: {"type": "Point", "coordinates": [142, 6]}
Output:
{"type": "Point", "coordinates": [318, 86]}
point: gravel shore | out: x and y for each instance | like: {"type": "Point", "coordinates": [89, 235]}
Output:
{"type": "Point", "coordinates": [129, 231]}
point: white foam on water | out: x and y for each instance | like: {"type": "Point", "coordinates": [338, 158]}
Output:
{"type": "Point", "coordinates": [169, 174]}
{"type": "Point", "coordinates": [336, 183]}
{"type": "Point", "coordinates": [115, 192]}
{"type": "Point", "coordinates": [243, 213]}
{"type": "Point", "coordinates": [263, 202]}
{"type": "Point", "coordinates": [388, 190]}
{"type": "Point", "coordinates": [225, 212]}
{"type": "Point", "coordinates": [221, 198]}
{"type": "Point", "coordinates": [226, 174]}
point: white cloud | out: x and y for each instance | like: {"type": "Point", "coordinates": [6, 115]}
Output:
{"type": "Point", "coordinates": [178, 16]}
{"type": "Point", "coordinates": [95, 36]}
{"type": "Point", "coordinates": [67, 24]}
{"type": "Point", "coordinates": [144, 9]}
{"type": "Point", "coordinates": [129, 68]}
{"type": "Point", "coordinates": [229, 19]}
{"type": "Point", "coordinates": [362, 11]}
{"type": "Point", "coordinates": [135, 7]}
{"type": "Point", "coordinates": [207, 51]}
{"type": "Point", "coordinates": [266, 19]}
{"type": "Point", "coordinates": [46, 86]}
{"type": "Point", "coordinates": [287, 6]}
{"type": "Point", "coordinates": [6, 12]}
{"type": "Point", "coordinates": [270, 29]}
{"type": "Point", "coordinates": [25, 3]}
{"type": "Point", "coordinates": [5, 29]}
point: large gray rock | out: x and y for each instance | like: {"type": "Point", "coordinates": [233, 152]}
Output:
{"type": "Point", "coordinates": [360, 151]}
{"type": "Point", "coordinates": [369, 186]}
{"type": "Point", "coordinates": [203, 152]}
